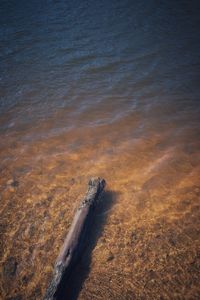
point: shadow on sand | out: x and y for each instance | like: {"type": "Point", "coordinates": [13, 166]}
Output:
{"type": "Point", "coordinates": [82, 269]}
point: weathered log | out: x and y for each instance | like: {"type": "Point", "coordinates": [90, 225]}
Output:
{"type": "Point", "coordinates": [75, 240]}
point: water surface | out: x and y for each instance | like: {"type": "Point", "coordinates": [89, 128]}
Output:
{"type": "Point", "coordinates": [110, 89]}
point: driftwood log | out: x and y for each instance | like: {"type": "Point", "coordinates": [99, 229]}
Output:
{"type": "Point", "coordinates": [75, 240]}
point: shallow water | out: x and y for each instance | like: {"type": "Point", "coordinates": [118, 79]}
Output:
{"type": "Point", "coordinates": [104, 89]}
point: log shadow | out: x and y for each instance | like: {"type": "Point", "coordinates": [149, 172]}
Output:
{"type": "Point", "coordinates": [81, 270]}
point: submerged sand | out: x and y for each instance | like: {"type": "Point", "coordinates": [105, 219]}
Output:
{"type": "Point", "coordinates": [145, 240]}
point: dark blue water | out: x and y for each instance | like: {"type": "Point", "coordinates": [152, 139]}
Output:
{"type": "Point", "coordinates": [126, 55]}
{"type": "Point", "coordinates": [108, 88]}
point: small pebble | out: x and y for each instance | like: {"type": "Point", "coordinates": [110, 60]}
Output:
{"type": "Point", "coordinates": [72, 181]}
{"type": "Point", "coordinates": [110, 256]}
{"type": "Point", "coordinates": [9, 182]}
{"type": "Point", "coordinates": [13, 183]}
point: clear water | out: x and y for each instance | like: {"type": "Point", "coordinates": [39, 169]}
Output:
{"type": "Point", "coordinates": [110, 89]}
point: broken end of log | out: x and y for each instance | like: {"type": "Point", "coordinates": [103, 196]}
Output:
{"type": "Point", "coordinates": [96, 185]}
{"type": "Point", "coordinates": [95, 188]}
{"type": "Point", "coordinates": [97, 181]}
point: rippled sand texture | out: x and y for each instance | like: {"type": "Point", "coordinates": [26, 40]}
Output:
{"type": "Point", "coordinates": [146, 237]}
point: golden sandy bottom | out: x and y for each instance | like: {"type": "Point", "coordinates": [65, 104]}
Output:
{"type": "Point", "coordinates": [145, 240]}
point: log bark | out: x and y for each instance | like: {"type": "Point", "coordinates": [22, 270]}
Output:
{"type": "Point", "coordinates": [75, 240]}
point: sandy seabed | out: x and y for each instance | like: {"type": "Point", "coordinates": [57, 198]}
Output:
{"type": "Point", "coordinates": [145, 240]}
